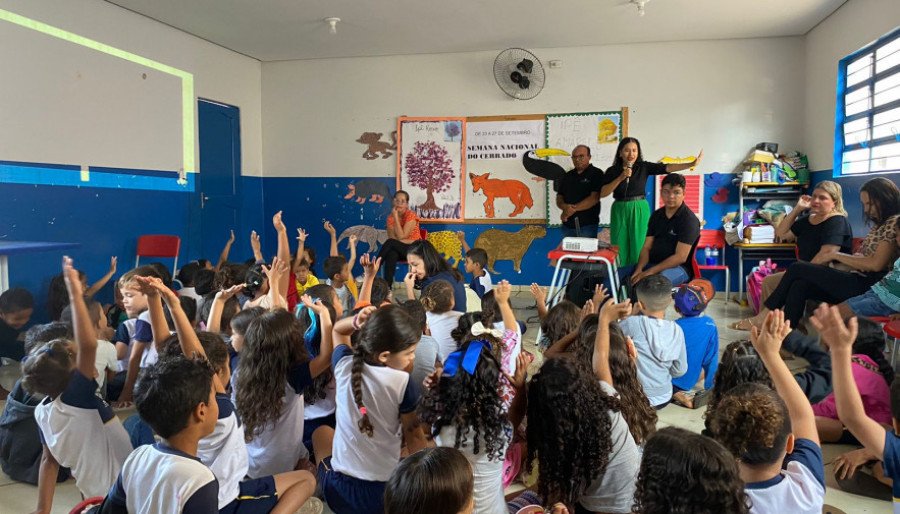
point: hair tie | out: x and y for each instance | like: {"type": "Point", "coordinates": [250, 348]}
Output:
{"type": "Point", "coordinates": [362, 411]}
{"type": "Point", "coordinates": [478, 329]}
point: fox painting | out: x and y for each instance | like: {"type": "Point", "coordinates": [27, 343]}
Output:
{"type": "Point", "coordinates": [492, 188]}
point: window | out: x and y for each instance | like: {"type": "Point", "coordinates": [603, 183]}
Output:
{"type": "Point", "coordinates": [867, 114]}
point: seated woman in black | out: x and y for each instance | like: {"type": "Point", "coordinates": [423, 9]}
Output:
{"type": "Point", "coordinates": [837, 276]}
{"type": "Point", "coordinates": [425, 266]}
{"type": "Point", "coordinates": [818, 225]}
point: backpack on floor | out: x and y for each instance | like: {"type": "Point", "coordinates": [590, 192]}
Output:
{"type": "Point", "coordinates": [755, 280]}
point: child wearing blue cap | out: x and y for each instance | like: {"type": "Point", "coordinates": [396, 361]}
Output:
{"type": "Point", "coordinates": [701, 339]}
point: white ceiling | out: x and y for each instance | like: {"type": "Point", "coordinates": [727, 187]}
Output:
{"type": "Point", "coordinates": [273, 30]}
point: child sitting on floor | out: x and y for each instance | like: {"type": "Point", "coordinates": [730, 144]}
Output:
{"type": "Point", "coordinates": [662, 354]}
{"type": "Point", "coordinates": [476, 261]}
{"type": "Point", "coordinates": [16, 307]}
{"type": "Point", "coordinates": [701, 339]}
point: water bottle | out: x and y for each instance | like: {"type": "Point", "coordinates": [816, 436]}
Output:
{"type": "Point", "coordinates": [715, 256]}
{"type": "Point", "coordinates": [707, 255]}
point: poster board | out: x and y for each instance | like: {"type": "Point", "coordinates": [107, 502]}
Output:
{"type": "Point", "coordinates": [601, 131]}
{"type": "Point", "coordinates": [431, 166]}
{"type": "Point", "coordinates": [498, 190]}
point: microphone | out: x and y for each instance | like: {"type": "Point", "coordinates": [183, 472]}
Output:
{"type": "Point", "coordinates": [627, 179]}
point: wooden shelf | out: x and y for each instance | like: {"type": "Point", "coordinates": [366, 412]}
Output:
{"type": "Point", "coordinates": [764, 184]}
{"type": "Point", "coordinates": [765, 245]}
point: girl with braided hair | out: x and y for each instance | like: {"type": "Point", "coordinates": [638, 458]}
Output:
{"type": "Point", "coordinates": [466, 412]}
{"type": "Point", "coordinates": [376, 403]}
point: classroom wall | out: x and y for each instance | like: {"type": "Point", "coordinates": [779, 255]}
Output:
{"type": "Point", "coordinates": [854, 25]}
{"type": "Point", "coordinates": [44, 200]}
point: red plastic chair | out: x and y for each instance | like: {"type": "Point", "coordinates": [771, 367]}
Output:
{"type": "Point", "coordinates": [715, 238]}
{"type": "Point", "coordinates": [892, 330]}
{"type": "Point", "coordinates": [90, 502]}
{"type": "Point", "coordinates": [158, 246]}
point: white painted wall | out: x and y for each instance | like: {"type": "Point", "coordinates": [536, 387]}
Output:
{"type": "Point", "coordinates": [724, 96]}
{"type": "Point", "coordinates": [219, 74]}
{"type": "Point", "coordinates": [853, 26]}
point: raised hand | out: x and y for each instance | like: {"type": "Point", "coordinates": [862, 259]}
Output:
{"type": "Point", "coordinates": [254, 243]}
{"type": "Point", "coordinates": [587, 309]}
{"type": "Point", "coordinates": [610, 311]}
{"type": "Point", "coordinates": [768, 338]}
{"type": "Point", "coordinates": [113, 263]}
{"type": "Point", "coordinates": [227, 294]}
{"type": "Point", "coordinates": [460, 235]}
{"type": "Point", "coordinates": [600, 295]}
{"type": "Point", "coordinates": [835, 334]}
{"type": "Point", "coordinates": [353, 240]}
{"type": "Point", "coordinates": [276, 271]}
{"type": "Point", "coordinates": [370, 265]}
{"type": "Point", "coordinates": [329, 228]}
{"type": "Point", "coordinates": [301, 235]}
{"type": "Point", "coordinates": [230, 238]}
{"type": "Point", "coordinates": [538, 293]}
{"type": "Point", "coordinates": [71, 278]}
{"type": "Point", "coordinates": [316, 306]}
{"type": "Point", "coordinates": [277, 223]}
{"type": "Point", "coordinates": [502, 291]}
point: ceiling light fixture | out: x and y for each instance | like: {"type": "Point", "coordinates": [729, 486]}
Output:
{"type": "Point", "coordinates": [640, 6]}
{"type": "Point", "coordinates": [332, 24]}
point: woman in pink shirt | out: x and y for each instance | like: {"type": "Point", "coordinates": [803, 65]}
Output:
{"type": "Point", "coordinates": [873, 375]}
{"type": "Point", "coordinates": [402, 229]}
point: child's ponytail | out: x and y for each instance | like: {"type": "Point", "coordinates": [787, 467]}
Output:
{"type": "Point", "coordinates": [365, 426]}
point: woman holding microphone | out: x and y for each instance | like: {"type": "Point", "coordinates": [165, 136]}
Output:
{"type": "Point", "coordinates": [626, 180]}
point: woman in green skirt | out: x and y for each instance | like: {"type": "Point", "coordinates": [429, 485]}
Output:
{"type": "Point", "coordinates": [626, 180]}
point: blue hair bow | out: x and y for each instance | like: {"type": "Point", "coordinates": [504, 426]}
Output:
{"type": "Point", "coordinates": [468, 360]}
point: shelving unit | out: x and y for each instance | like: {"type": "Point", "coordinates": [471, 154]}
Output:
{"type": "Point", "coordinates": [758, 192]}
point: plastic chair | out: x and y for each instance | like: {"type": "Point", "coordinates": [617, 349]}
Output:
{"type": "Point", "coordinates": [90, 502]}
{"type": "Point", "coordinates": [158, 246]}
{"type": "Point", "coordinates": [715, 238]}
{"type": "Point", "coordinates": [892, 330]}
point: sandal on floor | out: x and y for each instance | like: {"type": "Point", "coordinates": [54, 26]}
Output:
{"type": "Point", "coordinates": [691, 399]}
{"type": "Point", "coordinates": [743, 325]}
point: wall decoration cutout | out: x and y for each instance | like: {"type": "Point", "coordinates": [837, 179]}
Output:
{"type": "Point", "coordinates": [431, 166]}
{"type": "Point", "coordinates": [719, 183]}
{"type": "Point", "coordinates": [501, 245]}
{"type": "Point", "coordinates": [376, 146]}
{"type": "Point", "coordinates": [499, 191]}
{"type": "Point", "coordinates": [601, 131]}
{"type": "Point", "coordinates": [365, 190]}
{"type": "Point", "coordinates": [365, 234]}
{"type": "Point", "coordinates": [447, 243]}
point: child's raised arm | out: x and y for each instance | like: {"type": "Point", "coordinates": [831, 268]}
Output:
{"type": "Point", "coordinates": [839, 338]}
{"type": "Point", "coordinates": [301, 245]}
{"type": "Point", "coordinates": [501, 294]}
{"type": "Point", "coordinates": [277, 287]}
{"type": "Point", "coordinates": [223, 257]}
{"type": "Point", "coordinates": [85, 337]}
{"type": "Point", "coordinates": [320, 363]}
{"type": "Point", "coordinates": [256, 247]}
{"type": "Point", "coordinates": [158, 325]}
{"type": "Point", "coordinates": [345, 328]}
{"type": "Point", "coordinates": [370, 271]}
{"type": "Point", "coordinates": [462, 240]}
{"type": "Point", "coordinates": [609, 313]}
{"type": "Point", "coordinates": [332, 234]}
{"type": "Point", "coordinates": [214, 321]}
{"type": "Point", "coordinates": [284, 253]}
{"type": "Point", "coordinates": [98, 285]}
{"type": "Point", "coordinates": [540, 299]}
{"type": "Point", "coordinates": [767, 341]}
{"type": "Point", "coordinates": [353, 240]}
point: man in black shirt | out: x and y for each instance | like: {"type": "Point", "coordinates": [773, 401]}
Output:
{"type": "Point", "coordinates": [672, 235]}
{"type": "Point", "coordinates": [578, 195]}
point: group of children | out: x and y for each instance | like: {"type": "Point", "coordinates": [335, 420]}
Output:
{"type": "Point", "coordinates": [259, 388]}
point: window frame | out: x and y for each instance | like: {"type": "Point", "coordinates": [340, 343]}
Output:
{"type": "Point", "coordinates": [840, 146]}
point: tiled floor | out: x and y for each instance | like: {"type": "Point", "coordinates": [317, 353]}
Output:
{"type": "Point", "coordinates": [18, 498]}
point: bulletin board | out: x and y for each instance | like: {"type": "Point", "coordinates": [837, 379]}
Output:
{"type": "Point", "coordinates": [601, 131]}
{"type": "Point", "coordinates": [431, 166]}
{"type": "Point", "coordinates": [498, 191]}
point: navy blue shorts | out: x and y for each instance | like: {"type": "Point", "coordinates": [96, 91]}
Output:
{"type": "Point", "coordinates": [257, 496]}
{"type": "Point", "coordinates": [349, 495]}
{"type": "Point", "coordinates": [310, 426]}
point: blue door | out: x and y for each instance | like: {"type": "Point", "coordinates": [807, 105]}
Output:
{"type": "Point", "coordinates": [218, 188]}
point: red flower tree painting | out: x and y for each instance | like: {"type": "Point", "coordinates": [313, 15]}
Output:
{"type": "Point", "coordinates": [429, 167]}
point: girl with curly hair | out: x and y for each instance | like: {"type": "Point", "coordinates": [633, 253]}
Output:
{"type": "Point", "coordinates": [319, 397]}
{"type": "Point", "coordinates": [634, 405]}
{"type": "Point", "coordinates": [586, 457]}
{"type": "Point", "coordinates": [274, 372]}
{"type": "Point", "coordinates": [561, 320]}
{"type": "Point", "coordinates": [465, 411]}
{"type": "Point", "coordinates": [685, 472]}
{"type": "Point", "coordinates": [740, 364]}
{"type": "Point", "coordinates": [376, 409]}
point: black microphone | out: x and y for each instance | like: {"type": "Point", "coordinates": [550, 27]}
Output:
{"type": "Point", "coordinates": [628, 178]}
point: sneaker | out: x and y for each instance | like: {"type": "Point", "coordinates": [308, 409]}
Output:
{"type": "Point", "coordinates": [312, 506]}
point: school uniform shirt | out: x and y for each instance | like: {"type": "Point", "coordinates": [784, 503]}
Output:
{"type": "Point", "coordinates": [488, 473]}
{"type": "Point", "coordinates": [798, 489]}
{"type": "Point", "coordinates": [637, 184]}
{"type": "Point", "coordinates": [84, 435]}
{"type": "Point", "coordinates": [482, 285]}
{"type": "Point", "coordinates": [387, 393]}
{"type": "Point", "coordinates": [701, 339]}
{"type": "Point", "coordinates": [614, 491]}
{"type": "Point", "coordinates": [324, 406]}
{"type": "Point", "coordinates": [810, 238]}
{"type": "Point", "coordinates": [224, 452]}
{"type": "Point", "coordinates": [682, 227]}
{"type": "Point", "coordinates": [891, 460]}
{"type": "Point", "coordinates": [441, 325]}
{"type": "Point", "coordinates": [345, 296]}
{"type": "Point", "coordinates": [279, 447]}
{"type": "Point", "coordinates": [427, 353]}
{"type": "Point", "coordinates": [123, 335]}
{"type": "Point", "coordinates": [459, 289]}
{"type": "Point", "coordinates": [575, 187]}
{"type": "Point", "coordinates": [106, 359]}
{"type": "Point", "coordinates": [157, 478]}
{"type": "Point", "coordinates": [662, 354]}
{"type": "Point", "coordinates": [190, 292]}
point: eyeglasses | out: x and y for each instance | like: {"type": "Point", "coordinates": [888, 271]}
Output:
{"type": "Point", "coordinates": [672, 192]}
